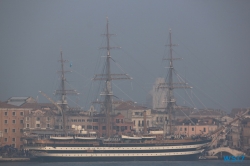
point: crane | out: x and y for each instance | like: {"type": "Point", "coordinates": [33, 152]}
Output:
{"type": "Point", "coordinates": [59, 108]}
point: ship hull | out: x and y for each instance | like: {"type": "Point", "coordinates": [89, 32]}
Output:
{"type": "Point", "coordinates": [187, 157]}
{"type": "Point", "coordinates": [151, 151]}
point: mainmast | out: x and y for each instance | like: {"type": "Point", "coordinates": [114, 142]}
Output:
{"type": "Point", "coordinates": [170, 86]}
{"type": "Point", "coordinates": [108, 77]}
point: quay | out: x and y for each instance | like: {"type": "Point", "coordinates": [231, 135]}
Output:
{"type": "Point", "coordinates": [13, 159]}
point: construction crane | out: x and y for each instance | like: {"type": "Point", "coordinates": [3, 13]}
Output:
{"type": "Point", "coordinates": [59, 108]}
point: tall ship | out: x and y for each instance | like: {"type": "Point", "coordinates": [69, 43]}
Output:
{"type": "Point", "coordinates": [87, 146]}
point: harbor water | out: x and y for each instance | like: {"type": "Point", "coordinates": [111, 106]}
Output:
{"type": "Point", "coordinates": [134, 163]}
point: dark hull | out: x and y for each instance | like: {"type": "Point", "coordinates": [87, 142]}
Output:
{"type": "Point", "coordinates": [191, 157]}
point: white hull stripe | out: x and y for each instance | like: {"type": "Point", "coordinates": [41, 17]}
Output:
{"type": "Point", "coordinates": [117, 148]}
{"type": "Point", "coordinates": [43, 154]}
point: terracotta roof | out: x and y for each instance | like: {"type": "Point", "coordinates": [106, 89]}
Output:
{"type": "Point", "coordinates": [158, 112]}
{"type": "Point", "coordinates": [206, 113]}
{"type": "Point", "coordinates": [200, 121]}
{"type": "Point", "coordinates": [179, 112]}
{"type": "Point", "coordinates": [237, 111]}
{"type": "Point", "coordinates": [18, 101]}
{"type": "Point", "coordinates": [44, 112]}
{"type": "Point", "coordinates": [39, 105]}
{"type": "Point", "coordinates": [5, 105]}
{"type": "Point", "coordinates": [129, 105]}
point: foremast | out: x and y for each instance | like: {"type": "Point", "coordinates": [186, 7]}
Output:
{"type": "Point", "coordinates": [108, 77]}
{"type": "Point", "coordinates": [63, 92]}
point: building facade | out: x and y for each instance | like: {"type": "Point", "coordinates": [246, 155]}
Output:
{"type": "Point", "coordinates": [12, 120]}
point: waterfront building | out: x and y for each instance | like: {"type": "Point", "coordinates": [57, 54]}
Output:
{"type": "Point", "coordinates": [12, 120]}
{"type": "Point", "coordinates": [133, 112]}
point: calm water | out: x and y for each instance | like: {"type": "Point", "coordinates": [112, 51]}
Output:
{"type": "Point", "coordinates": [153, 163]}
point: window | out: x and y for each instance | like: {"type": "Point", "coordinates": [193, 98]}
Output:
{"type": "Point", "coordinates": [14, 113]}
{"type": "Point", "coordinates": [21, 121]}
{"type": "Point", "coordinates": [6, 139]}
{"type": "Point", "coordinates": [95, 120]}
{"type": "Point", "coordinates": [71, 120]}
{"type": "Point", "coordinates": [117, 120]}
{"type": "Point", "coordinates": [5, 121]}
{"type": "Point", "coordinates": [157, 119]}
{"type": "Point", "coordinates": [79, 120]}
{"type": "Point", "coordinates": [121, 120]}
{"type": "Point", "coordinates": [14, 121]}
{"type": "Point", "coordinates": [204, 129]}
{"type": "Point", "coordinates": [185, 129]}
{"type": "Point", "coordinates": [48, 126]}
{"type": "Point", "coordinates": [37, 125]}
{"type": "Point", "coordinates": [13, 139]}
{"type": "Point", "coordinates": [89, 127]}
{"type": "Point", "coordinates": [38, 118]}
{"type": "Point", "coordinates": [13, 130]}
{"type": "Point", "coordinates": [5, 113]}
{"type": "Point", "coordinates": [83, 120]}
{"type": "Point", "coordinates": [122, 128]}
{"type": "Point", "coordinates": [6, 130]}
{"type": "Point", "coordinates": [142, 123]}
{"type": "Point", "coordinates": [192, 129]}
{"type": "Point", "coordinates": [27, 118]}
{"type": "Point", "coordinates": [83, 127]}
{"type": "Point", "coordinates": [95, 127]}
{"type": "Point", "coordinates": [48, 118]}
{"type": "Point", "coordinates": [126, 127]}
{"type": "Point", "coordinates": [89, 120]}
{"type": "Point", "coordinates": [139, 123]}
{"type": "Point", "coordinates": [103, 127]}
{"type": "Point", "coordinates": [56, 127]}
{"type": "Point", "coordinates": [27, 125]}
{"type": "Point", "coordinates": [75, 120]}
{"type": "Point", "coordinates": [21, 113]}
{"type": "Point", "coordinates": [134, 122]}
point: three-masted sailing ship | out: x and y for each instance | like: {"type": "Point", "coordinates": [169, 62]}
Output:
{"type": "Point", "coordinates": [122, 148]}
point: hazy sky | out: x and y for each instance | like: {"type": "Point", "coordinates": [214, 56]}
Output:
{"type": "Point", "coordinates": [213, 38]}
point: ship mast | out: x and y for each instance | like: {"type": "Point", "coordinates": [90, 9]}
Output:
{"type": "Point", "coordinates": [108, 77]}
{"type": "Point", "coordinates": [170, 86]}
{"type": "Point", "coordinates": [63, 92]}
{"type": "Point", "coordinates": [170, 95]}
